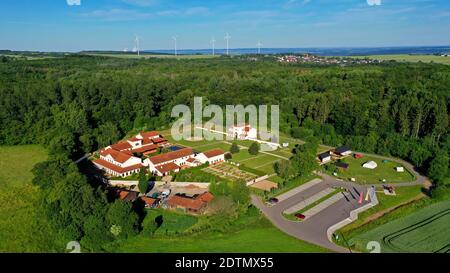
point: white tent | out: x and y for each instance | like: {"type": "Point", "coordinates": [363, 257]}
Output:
{"type": "Point", "coordinates": [370, 165]}
{"type": "Point", "coordinates": [400, 169]}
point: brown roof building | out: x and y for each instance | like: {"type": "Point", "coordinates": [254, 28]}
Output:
{"type": "Point", "coordinates": [192, 204]}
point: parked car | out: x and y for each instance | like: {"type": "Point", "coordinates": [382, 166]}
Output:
{"type": "Point", "coordinates": [300, 216]}
{"type": "Point", "coordinates": [166, 193]}
{"type": "Point", "coordinates": [273, 200]}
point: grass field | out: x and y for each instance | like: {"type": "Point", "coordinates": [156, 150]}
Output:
{"type": "Point", "coordinates": [17, 195]}
{"type": "Point", "coordinates": [423, 231]}
{"type": "Point", "coordinates": [404, 194]}
{"type": "Point", "coordinates": [410, 58]}
{"type": "Point", "coordinates": [261, 162]}
{"type": "Point", "coordinates": [254, 235]}
{"type": "Point", "coordinates": [290, 185]}
{"type": "Point", "coordinates": [385, 170]}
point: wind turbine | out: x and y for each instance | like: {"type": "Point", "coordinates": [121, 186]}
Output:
{"type": "Point", "coordinates": [259, 45]}
{"type": "Point", "coordinates": [213, 42]}
{"type": "Point", "coordinates": [228, 37]}
{"type": "Point", "coordinates": [137, 45]}
{"type": "Point", "coordinates": [176, 46]}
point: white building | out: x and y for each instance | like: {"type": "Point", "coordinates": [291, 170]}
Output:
{"type": "Point", "coordinates": [244, 131]}
{"type": "Point", "coordinates": [163, 164]}
{"type": "Point", "coordinates": [118, 159]}
{"type": "Point", "coordinates": [212, 157]}
{"type": "Point", "coordinates": [118, 163]}
{"type": "Point", "coordinates": [325, 157]}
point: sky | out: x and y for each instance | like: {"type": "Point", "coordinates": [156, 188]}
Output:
{"type": "Point", "coordinates": [75, 25]}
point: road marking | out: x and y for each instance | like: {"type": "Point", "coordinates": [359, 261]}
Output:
{"type": "Point", "coordinates": [309, 201]}
{"type": "Point", "coordinates": [323, 205]}
{"type": "Point", "coordinates": [299, 189]}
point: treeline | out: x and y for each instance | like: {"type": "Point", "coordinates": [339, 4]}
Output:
{"type": "Point", "coordinates": [77, 104]}
{"type": "Point", "coordinates": [90, 102]}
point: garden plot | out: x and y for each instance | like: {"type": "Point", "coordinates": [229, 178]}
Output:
{"type": "Point", "coordinates": [229, 172]}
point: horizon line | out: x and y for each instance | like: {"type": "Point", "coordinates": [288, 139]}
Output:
{"type": "Point", "coordinates": [224, 49]}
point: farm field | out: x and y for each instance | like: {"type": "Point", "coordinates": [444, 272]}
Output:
{"type": "Point", "coordinates": [410, 58]}
{"type": "Point", "coordinates": [17, 196]}
{"type": "Point", "coordinates": [423, 231]}
{"type": "Point", "coordinates": [385, 170]}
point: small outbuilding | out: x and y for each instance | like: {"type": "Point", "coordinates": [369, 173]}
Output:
{"type": "Point", "coordinates": [400, 169]}
{"type": "Point", "coordinates": [325, 157]}
{"type": "Point", "coordinates": [342, 165]}
{"type": "Point", "coordinates": [343, 151]}
{"type": "Point", "coordinates": [370, 165]}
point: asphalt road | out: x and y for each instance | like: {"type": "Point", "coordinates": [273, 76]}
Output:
{"type": "Point", "coordinates": [313, 229]}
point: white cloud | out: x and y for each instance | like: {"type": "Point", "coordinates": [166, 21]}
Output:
{"type": "Point", "coordinates": [374, 2]}
{"type": "Point", "coordinates": [73, 2]}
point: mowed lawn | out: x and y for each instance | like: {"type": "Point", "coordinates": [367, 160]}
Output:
{"type": "Point", "coordinates": [424, 231]}
{"type": "Point", "coordinates": [262, 162]}
{"type": "Point", "coordinates": [17, 196]}
{"type": "Point", "coordinates": [261, 238]}
{"type": "Point", "coordinates": [403, 195]}
{"type": "Point", "coordinates": [385, 170]}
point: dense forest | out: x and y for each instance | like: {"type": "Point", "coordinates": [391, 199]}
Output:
{"type": "Point", "coordinates": [78, 104]}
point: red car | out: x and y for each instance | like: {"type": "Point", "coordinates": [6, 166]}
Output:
{"type": "Point", "coordinates": [300, 216]}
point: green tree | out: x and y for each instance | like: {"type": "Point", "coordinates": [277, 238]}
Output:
{"type": "Point", "coordinates": [121, 215]}
{"type": "Point", "coordinates": [143, 181]}
{"type": "Point", "coordinates": [438, 170]}
{"type": "Point", "coordinates": [254, 148]}
{"type": "Point", "coordinates": [234, 149]}
{"type": "Point", "coordinates": [282, 168]}
{"type": "Point", "coordinates": [228, 156]}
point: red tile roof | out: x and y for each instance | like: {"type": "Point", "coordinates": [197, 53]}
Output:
{"type": "Point", "coordinates": [190, 203]}
{"type": "Point", "coordinates": [206, 197]}
{"type": "Point", "coordinates": [185, 202]}
{"type": "Point", "coordinates": [148, 201]}
{"type": "Point", "coordinates": [147, 141]}
{"type": "Point", "coordinates": [213, 153]}
{"type": "Point", "coordinates": [123, 145]}
{"type": "Point", "coordinates": [120, 157]}
{"type": "Point", "coordinates": [167, 167]}
{"type": "Point", "coordinates": [116, 168]}
{"type": "Point", "coordinates": [123, 195]}
{"type": "Point", "coordinates": [133, 139]}
{"type": "Point", "coordinates": [149, 134]}
{"type": "Point", "coordinates": [146, 148]}
{"type": "Point", "coordinates": [157, 159]}
{"type": "Point", "coordinates": [158, 140]}
{"type": "Point", "coordinates": [191, 160]}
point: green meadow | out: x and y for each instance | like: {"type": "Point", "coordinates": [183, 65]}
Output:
{"type": "Point", "coordinates": [17, 196]}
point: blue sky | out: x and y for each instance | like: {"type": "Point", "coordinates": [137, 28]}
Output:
{"type": "Point", "coordinates": [62, 25]}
